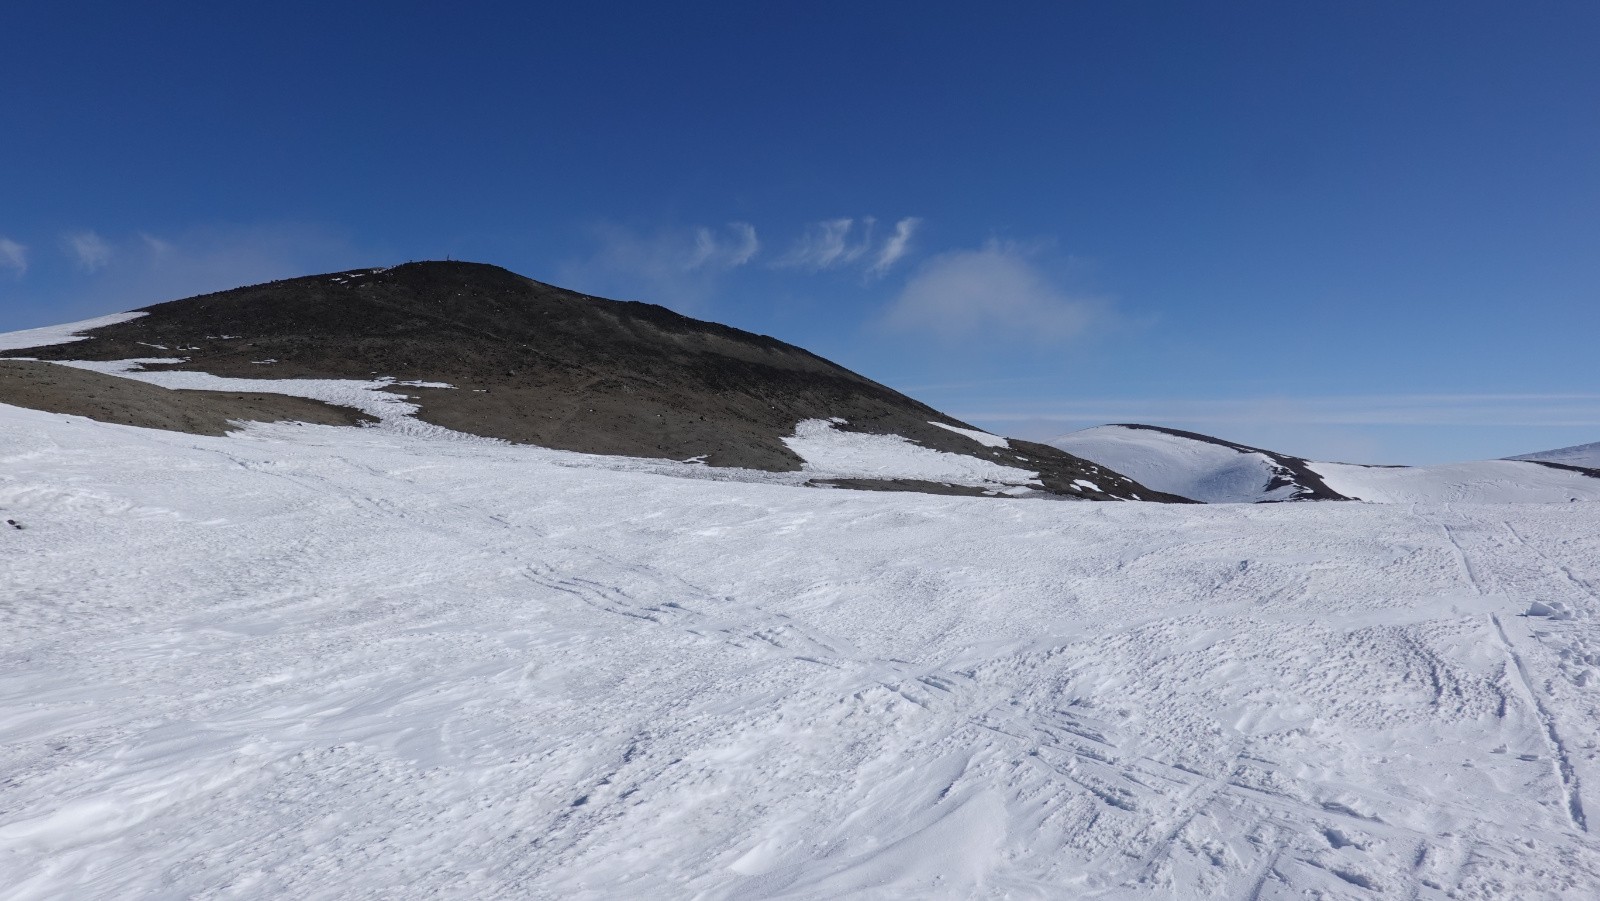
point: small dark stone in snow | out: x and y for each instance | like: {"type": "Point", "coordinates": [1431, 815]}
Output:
{"type": "Point", "coordinates": [13, 524]}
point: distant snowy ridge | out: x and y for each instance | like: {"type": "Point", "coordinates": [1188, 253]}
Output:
{"type": "Point", "coordinates": [1220, 472]}
{"type": "Point", "coordinates": [1585, 455]}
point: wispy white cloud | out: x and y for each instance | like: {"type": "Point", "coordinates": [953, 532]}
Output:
{"type": "Point", "coordinates": [828, 245]}
{"type": "Point", "coordinates": [736, 248]}
{"type": "Point", "coordinates": [677, 267]}
{"type": "Point", "coordinates": [13, 256]}
{"type": "Point", "coordinates": [847, 241]}
{"type": "Point", "coordinates": [995, 292]}
{"type": "Point", "coordinates": [896, 247]}
{"type": "Point", "coordinates": [88, 249]}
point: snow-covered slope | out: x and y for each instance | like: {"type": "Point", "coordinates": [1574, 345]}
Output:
{"type": "Point", "coordinates": [324, 663]}
{"type": "Point", "coordinates": [1196, 466]}
{"type": "Point", "coordinates": [1585, 455]}
{"type": "Point", "coordinates": [1219, 472]}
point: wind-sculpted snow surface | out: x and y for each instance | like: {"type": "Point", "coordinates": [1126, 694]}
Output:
{"type": "Point", "coordinates": [310, 662]}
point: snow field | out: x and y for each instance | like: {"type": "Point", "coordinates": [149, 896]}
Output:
{"type": "Point", "coordinates": [352, 663]}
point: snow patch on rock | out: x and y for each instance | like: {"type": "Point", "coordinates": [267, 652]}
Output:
{"type": "Point", "coordinates": [830, 452]}
{"type": "Point", "coordinates": [983, 438]}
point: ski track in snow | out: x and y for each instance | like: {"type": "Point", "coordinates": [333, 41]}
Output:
{"type": "Point", "coordinates": [352, 663]}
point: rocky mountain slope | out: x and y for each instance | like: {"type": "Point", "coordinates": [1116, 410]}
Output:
{"type": "Point", "coordinates": [479, 350]}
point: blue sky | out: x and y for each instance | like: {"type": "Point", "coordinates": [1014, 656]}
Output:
{"type": "Point", "coordinates": [1363, 231]}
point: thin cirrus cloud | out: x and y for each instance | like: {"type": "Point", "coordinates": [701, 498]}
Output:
{"type": "Point", "coordinates": [897, 246]}
{"type": "Point", "coordinates": [678, 267]}
{"type": "Point", "coordinates": [736, 246]}
{"type": "Point", "coordinates": [683, 267]}
{"type": "Point", "coordinates": [13, 256]}
{"type": "Point", "coordinates": [846, 241]}
{"type": "Point", "coordinates": [90, 251]}
{"type": "Point", "coordinates": [996, 292]}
